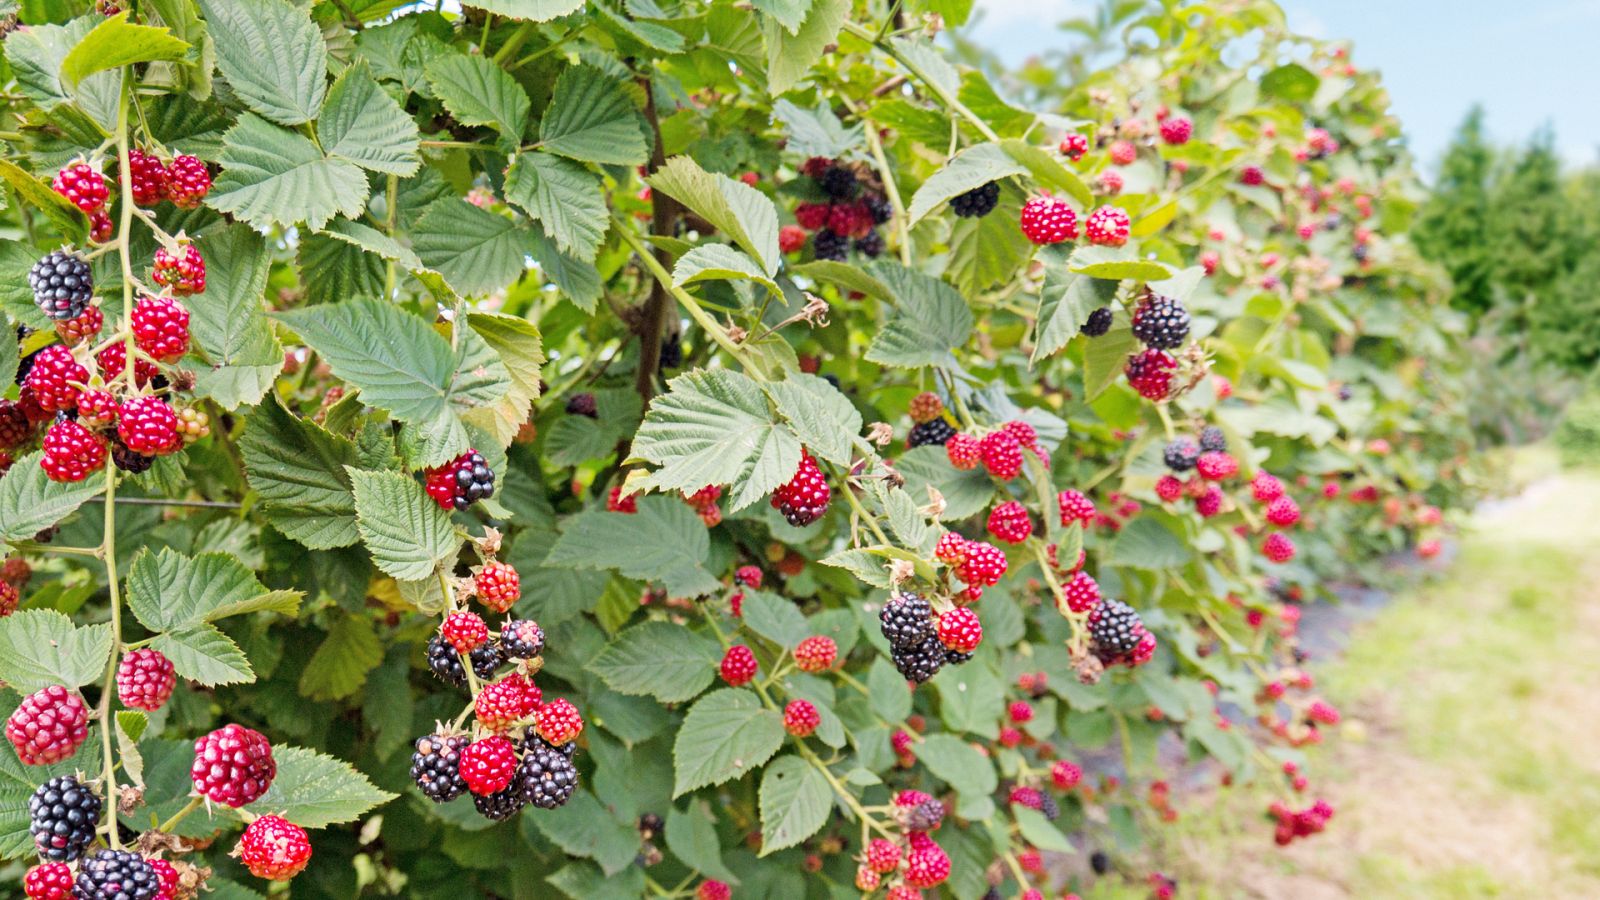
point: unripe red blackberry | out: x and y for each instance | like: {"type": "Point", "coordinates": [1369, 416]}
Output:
{"type": "Point", "coordinates": [62, 285]}
{"type": "Point", "coordinates": [1176, 130]}
{"type": "Point", "coordinates": [521, 639]}
{"type": "Point", "coordinates": [71, 452]}
{"type": "Point", "coordinates": [497, 585]}
{"type": "Point", "coordinates": [1065, 775]}
{"type": "Point", "coordinates": [738, 665]}
{"type": "Point", "coordinates": [927, 867]}
{"type": "Point", "coordinates": [984, 565]}
{"type": "Point", "coordinates": [487, 765]}
{"type": "Point", "coordinates": [960, 630]}
{"type": "Point", "coordinates": [1098, 322]}
{"type": "Point", "coordinates": [811, 216]}
{"type": "Point", "coordinates": [1123, 152]}
{"type": "Point", "coordinates": [233, 765]}
{"type": "Point", "coordinates": [183, 272]}
{"type": "Point", "coordinates": [816, 653]}
{"type": "Point", "coordinates": [9, 598]}
{"type": "Point", "coordinates": [14, 425]}
{"type": "Point", "coordinates": [113, 359]}
{"type": "Point", "coordinates": [436, 766]}
{"type": "Point", "coordinates": [274, 848]}
{"type": "Point", "coordinates": [116, 875]}
{"type": "Point", "coordinates": [1109, 182]}
{"type": "Point", "coordinates": [1074, 146]}
{"type": "Point", "coordinates": [52, 378]}
{"type": "Point", "coordinates": [558, 722]}
{"type": "Point", "coordinates": [1283, 512]}
{"type": "Point", "coordinates": [1024, 433]}
{"type": "Point", "coordinates": [713, 890]}
{"type": "Point", "coordinates": [101, 228]}
{"type": "Point", "coordinates": [188, 181]}
{"type": "Point", "coordinates": [1209, 503]}
{"type": "Point", "coordinates": [804, 498]}
{"type": "Point", "coordinates": [976, 203]}
{"type": "Point", "coordinates": [461, 482]}
{"type": "Point", "coordinates": [82, 185]}
{"type": "Point", "coordinates": [749, 576]}
{"type": "Point", "coordinates": [149, 177]}
{"type": "Point", "coordinates": [1161, 322]}
{"type": "Point", "coordinates": [464, 630]}
{"type": "Point", "coordinates": [1216, 465]}
{"type": "Point", "coordinates": [1278, 547]}
{"type": "Point", "coordinates": [1169, 488]}
{"type": "Point", "coordinates": [145, 679]}
{"type": "Point", "coordinates": [583, 404]}
{"type": "Point", "coordinates": [791, 238]}
{"type": "Point", "coordinates": [925, 407]}
{"type": "Point", "coordinates": [1046, 220]}
{"type": "Point", "coordinates": [1081, 593]}
{"type": "Point", "coordinates": [546, 776]}
{"type": "Point", "coordinates": [48, 881]}
{"type": "Point", "coordinates": [148, 425]}
{"type": "Point", "coordinates": [616, 502]}
{"type": "Point", "coordinates": [1108, 226]}
{"type": "Point", "coordinates": [964, 451]}
{"type": "Point", "coordinates": [1075, 507]}
{"type": "Point", "coordinates": [882, 856]}
{"type": "Point", "coordinates": [1026, 796]}
{"type": "Point", "coordinates": [75, 331]}
{"type": "Point", "coordinates": [1001, 454]}
{"type": "Point", "coordinates": [161, 327]}
{"type": "Point", "coordinates": [800, 718]}
{"type": "Point", "coordinates": [1252, 176]}
{"type": "Point", "coordinates": [63, 814]}
{"type": "Point", "coordinates": [950, 549]}
{"type": "Point", "coordinates": [503, 703]}
{"type": "Point", "coordinates": [1010, 522]}
{"type": "Point", "coordinates": [867, 880]}
{"type": "Point", "coordinates": [1150, 373]}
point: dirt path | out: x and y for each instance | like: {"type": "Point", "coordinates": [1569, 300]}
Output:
{"type": "Point", "coordinates": [1469, 765]}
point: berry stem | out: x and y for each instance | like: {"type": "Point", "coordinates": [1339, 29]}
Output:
{"type": "Point", "coordinates": [858, 510]}
{"type": "Point", "coordinates": [1016, 870]}
{"type": "Point", "coordinates": [684, 298]}
{"type": "Point", "coordinates": [449, 607]}
{"type": "Point", "coordinates": [844, 793]}
{"type": "Point", "coordinates": [193, 804]}
{"type": "Point", "coordinates": [945, 97]}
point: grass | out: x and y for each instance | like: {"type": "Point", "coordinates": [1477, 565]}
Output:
{"type": "Point", "coordinates": [1468, 764]}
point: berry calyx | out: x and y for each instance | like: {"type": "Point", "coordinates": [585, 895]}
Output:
{"type": "Point", "coordinates": [188, 181]}
{"type": "Point", "coordinates": [488, 764]}
{"type": "Point", "coordinates": [1009, 521]}
{"type": "Point", "coordinates": [145, 679]}
{"type": "Point", "coordinates": [233, 765]}
{"type": "Point", "coordinates": [738, 665]}
{"type": "Point", "coordinates": [816, 653]}
{"type": "Point", "coordinates": [274, 848]}
{"type": "Point", "coordinates": [497, 585]}
{"type": "Point", "coordinates": [161, 328]}
{"type": "Point", "coordinates": [183, 272]}
{"type": "Point", "coordinates": [461, 482]}
{"type": "Point", "coordinates": [558, 722]}
{"type": "Point", "coordinates": [1108, 226]}
{"type": "Point", "coordinates": [71, 452]}
{"type": "Point", "coordinates": [800, 718]}
{"type": "Point", "coordinates": [959, 630]}
{"type": "Point", "coordinates": [1047, 220]}
{"type": "Point", "coordinates": [804, 498]}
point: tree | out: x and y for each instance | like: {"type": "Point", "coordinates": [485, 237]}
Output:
{"type": "Point", "coordinates": [1456, 227]}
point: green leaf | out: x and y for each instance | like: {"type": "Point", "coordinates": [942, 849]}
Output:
{"type": "Point", "coordinates": [791, 56]}
{"type": "Point", "coordinates": [8, 351]}
{"type": "Point", "coordinates": [1065, 302]}
{"type": "Point", "coordinates": [339, 667]}
{"type": "Point", "coordinates": [567, 201]}
{"type": "Point", "coordinates": [1104, 358]}
{"type": "Point", "coordinates": [844, 275]}
{"type": "Point", "coordinates": [405, 530]}
{"type": "Point", "coordinates": [972, 168]}
{"type": "Point", "coordinates": [35, 55]}
{"type": "Point", "coordinates": [373, 241]}
{"type": "Point", "coordinates": [230, 327]}
{"type": "Point", "coordinates": [664, 542]}
{"type": "Point", "coordinates": [583, 880]}
{"type": "Point", "coordinates": [40, 196]}
{"type": "Point", "coordinates": [1116, 263]}
{"type": "Point", "coordinates": [169, 591]}
{"type": "Point", "coordinates": [1291, 82]}
{"type": "Point", "coordinates": [1040, 831]}
{"type": "Point", "coordinates": [964, 493]}
{"type": "Point", "coordinates": [737, 210]}
{"type": "Point", "coordinates": [40, 647]}
{"type": "Point", "coordinates": [1048, 171]}
{"type": "Point", "coordinates": [298, 468]}
{"type": "Point", "coordinates": [364, 125]}
{"type": "Point", "coordinates": [315, 791]}
{"type": "Point", "coordinates": [578, 280]}
{"type": "Point", "coordinates": [714, 427]}
{"type": "Point", "coordinates": [521, 351]}
{"type": "Point", "coordinates": [30, 502]}
{"type": "Point", "coordinates": [272, 55]}
{"type": "Point", "coordinates": [582, 827]}
{"type": "Point", "coordinates": [775, 618]}
{"type": "Point", "coordinates": [527, 10]}
{"type": "Point", "coordinates": [274, 176]}
{"type": "Point", "coordinates": [788, 13]}
{"type": "Point", "coordinates": [130, 724]}
{"type": "Point", "coordinates": [795, 803]}
{"type": "Point", "coordinates": [863, 564]}
{"type": "Point", "coordinates": [822, 417]}
{"type": "Point", "coordinates": [475, 250]}
{"type": "Point", "coordinates": [719, 262]}
{"type": "Point", "coordinates": [478, 92]}
{"type": "Point", "coordinates": [930, 319]}
{"type": "Point", "coordinates": [886, 688]}
{"type": "Point", "coordinates": [1145, 543]}
{"type": "Point", "coordinates": [989, 251]}
{"type": "Point", "coordinates": [816, 132]}
{"type": "Point", "coordinates": [958, 764]}
{"type": "Point", "coordinates": [591, 119]}
{"type": "Point", "coordinates": [659, 659]}
{"type": "Point", "coordinates": [204, 654]}
{"type": "Point", "coordinates": [114, 43]}
{"type": "Point", "coordinates": [726, 735]}
{"type": "Point", "coordinates": [692, 838]}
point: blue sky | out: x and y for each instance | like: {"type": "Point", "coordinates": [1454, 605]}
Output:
{"type": "Point", "coordinates": [1528, 63]}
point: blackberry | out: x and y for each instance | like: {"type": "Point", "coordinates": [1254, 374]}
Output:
{"type": "Point", "coordinates": [446, 662]}
{"type": "Point", "coordinates": [828, 244]}
{"type": "Point", "coordinates": [116, 875]}
{"type": "Point", "coordinates": [956, 657]}
{"type": "Point", "coordinates": [879, 208]}
{"type": "Point", "coordinates": [992, 893]}
{"type": "Point", "coordinates": [839, 182]}
{"type": "Point", "coordinates": [906, 620]}
{"type": "Point", "coordinates": [546, 776]}
{"type": "Point", "coordinates": [1098, 323]}
{"type": "Point", "coordinates": [436, 767]}
{"type": "Point", "coordinates": [870, 244]}
{"type": "Point", "coordinates": [1180, 455]}
{"type": "Point", "coordinates": [129, 461]}
{"type": "Point", "coordinates": [919, 662]}
{"type": "Point", "coordinates": [925, 816]}
{"type": "Point", "coordinates": [978, 202]}
{"type": "Point", "coordinates": [1099, 862]}
{"type": "Point", "coordinates": [582, 405]}
{"type": "Point", "coordinates": [1115, 628]}
{"type": "Point", "coordinates": [671, 351]}
{"type": "Point", "coordinates": [935, 432]}
{"type": "Point", "coordinates": [62, 285]}
{"type": "Point", "coordinates": [1050, 808]}
{"type": "Point", "coordinates": [521, 639]}
{"type": "Point", "coordinates": [64, 814]}
{"type": "Point", "coordinates": [1212, 440]}
{"type": "Point", "coordinates": [1161, 322]}
{"type": "Point", "coordinates": [650, 824]}
{"type": "Point", "coordinates": [461, 482]}
{"type": "Point", "coordinates": [1360, 253]}
{"type": "Point", "coordinates": [501, 805]}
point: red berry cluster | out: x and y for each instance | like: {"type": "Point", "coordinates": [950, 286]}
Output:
{"type": "Point", "coordinates": [845, 206]}
{"type": "Point", "coordinates": [183, 272]}
{"type": "Point", "coordinates": [914, 863]}
{"type": "Point", "coordinates": [705, 503]}
{"type": "Point", "coordinates": [803, 499]}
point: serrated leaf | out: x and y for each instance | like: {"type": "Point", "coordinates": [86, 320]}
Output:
{"type": "Point", "coordinates": [665, 542]}
{"type": "Point", "coordinates": [989, 251]}
{"type": "Point", "coordinates": [964, 493]}
{"type": "Point", "coordinates": [863, 564]}
{"type": "Point", "coordinates": [656, 37]}
{"type": "Point", "coordinates": [592, 119]}
{"type": "Point", "coordinates": [1040, 831]}
{"type": "Point", "coordinates": [737, 210]}
{"type": "Point", "coordinates": [230, 328]}
{"type": "Point", "coordinates": [315, 791]}
{"type": "Point", "coordinates": [816, 132]}
{"type": "Point", "coordinates": [1105, 357]}
{"type": "Point", "coordinates": [39, 195]}
{"type": "Point", "coordinates": [478, 92]}
{"type": "Point", "coordinates": [775, 618]}
{"type": "Point", "coordinates": [299, 470]}
{"type": "Point", "coordinates": [274, 176]}
{"type": "Point", "coordinates": [958, 764]}
{"type": "Point", "coordinates": [404, 529]}
{"type": "Point", "coordinates": [340, 665]}
{"type": "Point", "coordinates": [30, 502]}
{"type": "Point", "coordinates": [1116, 263]}
{"type": "Point", "coordinates": [823, 417]}
{"type": "Point", "coordinates": [8, 351]}
{"type": "Point", "coordinates": [40, 647]}
{"type": "Point", "coordinates": [332, 270]}
{"type": "Point", "coordinates": [659, 659]}
{"type": "Point", "coordinates": [373, 241]}
{"type": "Point", "coordinates": [475, 250]}
{"type": "Point", "coordinates": [583, 880]}
{"type": "Point", "coordinates": [791, 56]}
{"type": "Point", "coordinates": [272, 55]}
{"type": "Point", "coordinates": [521, 351]}
{"type": "Point", "coordinates": [795, 803]}
{"type": "Point", "coordinates": [1145, 543]}
{"type": "Point", "coordinates": [528, 10]}
{"type": "Point", "coordinates": [131, 724]}
{"type": "Point", "coordinates": [204, 654]}
{"type": "Point", "coordinates": [35, 55]}
{"type": "Point", "coordinates": [888, 692]}
{"type": "Point", "coordinates": [692, 838]}
{"type": "Point", "coordinates": [582, 827]}
{"type": "Point", "coordinates": [714, 427]}
{"type": "Point", "coordinates": [788, 13]}
{"type": "Point", "coordinates": [930, 319]}
{"type": "Point", "coordinates": [566, 200]}
{"type": "Point", "coordinates": [719, 262]}
{"type": "Point", "coordinates": [726, 735]}
{"type": "Point", "coordinates": [972, 168]}
{"type": "Point", "coordinates": [364, 125]}
{"type": "Point", "coordinates": [1065, 301]}
{"type": "Point", "coordinates": [1047, 170]}
{"type": "Point", "coordinates": [116, 42]}
{"type": "Point", "coordinates": [578, 280]}
{"type": "Point", "coordinates": [169, 591]}
{"type": "Point", "coordinates": [844, 275]}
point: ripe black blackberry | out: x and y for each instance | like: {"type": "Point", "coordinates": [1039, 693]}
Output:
{"type": "Point", "coordinates": [956, 657]}
{"type": "Point", "coordinates": [870, 244]}
{"type": "Point", "coordinates": [446, 662]}
{"type": "Point", "coordinates": [839, 182]}
{"type": "Point", "coordinates": [501, 805]}
{"type": "Point", "coordinates": [925, 816]}
{"type": "Point", "coordinates": [976, 203]}
{"type": "Point", "coordinates": [1212, 440]}
{"type": "Point", "coordinates": [919, 662]}
{"type": "Point", "coordinates": [582, 405]}
{"type": "Point", "coordinates": [879, 208]}
{"type": "Point", "coordinates": [129, 461]}
{"type": "Point", "coordinates": [1098, 323]}
{"type": "Point", "coordinates": [1099, 862]}
{"type": "Point", "coordinates": [1180, 455]}
{"type": "Point", "coordinates": [62, 285]}
{"type": "Point", "coordinates": [671, 351]}
{"type": "Point", "coordinates": [934, 432]}
{"type": "Point", "coordinates": [1050, 808]}
{"type": "Point", "coordinates": [115, 875]}
{"type": "Point", "coordinates": [521, 639]}
{"type": "Point", "coordinates": [64, 814]}
{"type": "Point", "coordinates": [436, 766]}
{"type": "Point", "coordinates": [828, 244]}
{"type": "Point", "coordinates": [906, 620]}
{"type": "Point", "coordinates": [1115, 628]}
{"type": "Point", "coordinates": [1161, 322]}
{"type": "Point", "coordinates": [1360, 253]}
{"type": "Point", "coordinates": [650, 825]}
{"type": "Point", "coordinates": [546, 776]}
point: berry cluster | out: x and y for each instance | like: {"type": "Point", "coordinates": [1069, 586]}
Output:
{"type": "Point", "coordinates": [913, 863]}
{"type": "Point", "coordinates": [916, 640]}
{"type": "Point", "coordinates": [803, 499]}
{"type": "Point", "coordinates": [460, 482]}
{"type": "Point", "coordinates": [846, 207]}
